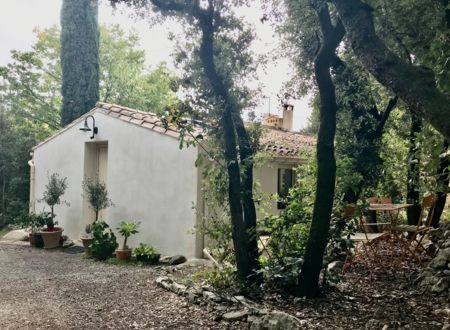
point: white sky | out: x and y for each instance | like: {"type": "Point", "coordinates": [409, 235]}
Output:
{"type": "Point", "coordinates": [18, 18]}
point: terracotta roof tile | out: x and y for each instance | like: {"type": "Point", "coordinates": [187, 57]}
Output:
{"type": "Point", "coordinates": [275, 141]}
{"type": "Point", "coordinates": [285, 144]}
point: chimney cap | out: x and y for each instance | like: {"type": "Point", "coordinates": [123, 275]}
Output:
{"type": "Point", "coordinates": [288, 107]}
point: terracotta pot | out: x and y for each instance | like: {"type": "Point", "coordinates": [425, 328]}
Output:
{"type": "Point", "coordinates": [124, 254]}
{"type": "Point", "coordinates": [87, 241]}
{"type": "Point", "coordinates": [36, 240]}
{"type": "Point", "coordinates": [52, 239]}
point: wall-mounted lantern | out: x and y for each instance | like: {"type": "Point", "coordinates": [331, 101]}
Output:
{"type": "Point", "coordinates": [86, 127]}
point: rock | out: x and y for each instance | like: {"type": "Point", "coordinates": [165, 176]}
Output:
{"type": "Point", "coordinates": [67, 243]}
{"type": "Point", "coordinates": [14, 236]}
{"type": "Point", "coordinates": [176, 260]}
{"type": "Point", "coordinates": [235, 315]}
{"type": "Point", "coordinates": [211, 296]}
{"type": "Point", "coordinates": [276, 320]}
{"type": "Point", "coordinates": [164, 282]}
{"type": "Point", "coordinates": [441, 285]}
{"type": "Point", "coordinates": [172, 260]}
{"type": "Point", "coordinates": [177, 288]}
{"type": "Point", "coordinates": [440, 261]}
{"type": "Point", "coordinates": [335, 267]}
{"type": "Point", "coordinates": [195, 262]}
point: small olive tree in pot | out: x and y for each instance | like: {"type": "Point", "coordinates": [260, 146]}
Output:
{"type": "Point", "coordinates": [54, 190]}
{"type": "Point", "coordinates": [96, 194]}
{"type": "Point", "coordinates": [126, 229]}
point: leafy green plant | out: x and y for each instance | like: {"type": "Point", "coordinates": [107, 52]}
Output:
{"type": "Point", "coordinates": [221, 279]}
{"type": "Point", "coordinates": [97, 195]}
{"type": "Point", "coordinates": [54, 190]}
{"type": "Point", "coordinates": [126, 229]}
{"type": "Point", "coordinates": [146, 253]}
{"type": "Point", "coordinates": [32, 221]}
{"type": "Point", "coordinates": [104, 241]}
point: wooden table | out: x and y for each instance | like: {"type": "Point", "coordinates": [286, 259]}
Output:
{"type": "Point", "coordinates": [392, 209]}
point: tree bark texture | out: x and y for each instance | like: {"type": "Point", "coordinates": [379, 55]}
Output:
{"type": "Point", "coordinates": [443, 181]}
{"type": "Point", "coordinates": [412, 185]}
{"type": "Point", "coordinates": [415, 85]}
{"type": "Point", "coordinates": [240, 192]}
{"type": "Point", "coordinates": [326, 163]}
{"type": "Point", "coordinates": [244, 245]}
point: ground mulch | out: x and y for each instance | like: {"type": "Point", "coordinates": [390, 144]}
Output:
{"type": "Point", "coordinates": [42, 289]}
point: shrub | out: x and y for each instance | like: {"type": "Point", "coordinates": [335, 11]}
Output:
{"type": "Point", "coordinates": [146, 253]}
{"type": "Point", "coordinates": [104, 241]}
{"type": "Point", "coordinates": [32, 221]}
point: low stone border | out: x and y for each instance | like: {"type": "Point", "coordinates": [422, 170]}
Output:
{"type": "Point", "coordinates": [236, 308]}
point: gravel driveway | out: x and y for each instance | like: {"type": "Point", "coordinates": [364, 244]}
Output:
{"type": "Point", "coordinates": [55, 290]}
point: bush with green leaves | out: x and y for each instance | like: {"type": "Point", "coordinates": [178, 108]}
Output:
{"type": "Point", "coordinates": [104, 241]}
{"type": "Point", "coordinates": [225, 278]}
{"type": "Point", "coordinates": [54, 190]}
{"type": "Point", "coordinates": [126, 229]}
{"type": "Point", "coordinates": [33, 221]}
{"type": "Point", "coordinates": [146, 253]}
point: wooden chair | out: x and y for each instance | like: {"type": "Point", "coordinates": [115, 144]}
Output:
{"type": "Point", "coordinates": [364, 242]}
{"type": "Point", "coordinates": [416, 233]}
{"type": "Point", "coordinates": [377, 226]}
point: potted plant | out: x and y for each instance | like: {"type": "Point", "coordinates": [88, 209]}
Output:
{"type": "Point", "coordinates": [97, 196]}
{"type": "Point", "coordinates": [146, 254]}
{"type": "Point", "coordinates": [126, 229]}
{"type": "Point", "coordinates": [34, 223]}
{"type": "Point", "coordinates": [54, 190]}
{"type": "Point", "coordinates": [103, 241]}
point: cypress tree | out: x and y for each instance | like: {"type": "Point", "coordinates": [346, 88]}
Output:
{"type": "Point", "coordinates": [79, 58]}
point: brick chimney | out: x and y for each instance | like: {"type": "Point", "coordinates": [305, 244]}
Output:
{"type": "Point", "coordinates": [288, 117]}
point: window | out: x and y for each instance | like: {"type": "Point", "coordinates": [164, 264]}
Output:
{"type": "Point", "coordinates": [286, 179]}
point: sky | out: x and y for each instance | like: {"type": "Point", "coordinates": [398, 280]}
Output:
{"type": "Point", "coordinates": [18, 19]}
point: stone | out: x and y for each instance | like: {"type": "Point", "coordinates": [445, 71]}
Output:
{"type": "Point", "coordinates": [164, 282]}
{"type": "Point", "coordinates": [277, 320]}
{"type": "Point", "coordinates": [176, 260]}
{"type": "Point", "coordinates": [441, 285]}
{"type": "Point", "coordinates": [19, 235]}
{"type": "Point", "coordinates": [440, 261]}
{"type": "Point", "coordinates": [177, 288]}
{"type": "Point", "coordinates": [235, 315]}
{"type": "Point", "coordinates": [335, 266]}
{"type": "Point", "coordinates": [67, 243]}
{"type": "Point", "coordinates": [211, 296]}
{"type": "Point", "coordinates": [172, 260]}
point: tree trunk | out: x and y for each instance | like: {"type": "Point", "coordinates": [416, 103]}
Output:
{"type": "Point", "coordinates": [415, 85]}
{"type": "Point", "coordinates": [412, 195]}
{"type": "Point", "coordinates": [242, 220]}
{"type": "Point", "coordinates": [443, 182]}
{"type": "Point", "coordinates": [326, 163]}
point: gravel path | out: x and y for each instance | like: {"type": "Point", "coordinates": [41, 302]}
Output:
{"type": "Point", "coordinates": [55, 290]}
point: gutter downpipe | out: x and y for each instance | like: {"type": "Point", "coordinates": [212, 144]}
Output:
{"type": "Point", "coordinates": [32, 185]}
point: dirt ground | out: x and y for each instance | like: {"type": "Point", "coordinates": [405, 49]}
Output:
{"type": "Point", "coordinates": [55, 290]}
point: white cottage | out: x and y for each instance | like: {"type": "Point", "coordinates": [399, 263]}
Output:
{"type": "Point", "coordinates": [149, 178]}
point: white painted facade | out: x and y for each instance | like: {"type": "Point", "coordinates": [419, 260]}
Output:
{"type": "Point", "coordinates": [149, 179]}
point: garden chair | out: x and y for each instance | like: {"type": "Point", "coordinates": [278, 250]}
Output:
{"type": "Point", "coordinates": [375, 227]}
{"type": "Point", "coordinates": [364, 243]}
{"type": "Point", "coordinates": [416, 233]}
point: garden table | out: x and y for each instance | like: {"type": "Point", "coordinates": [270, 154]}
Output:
{"type": "Point", "coordinates": [393, 211]}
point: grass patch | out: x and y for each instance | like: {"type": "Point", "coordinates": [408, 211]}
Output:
{"type": "Point", "coordinates": [4, 231]}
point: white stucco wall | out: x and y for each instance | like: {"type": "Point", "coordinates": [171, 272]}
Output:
{"type": "Point", "coordinates": [149, 179]}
